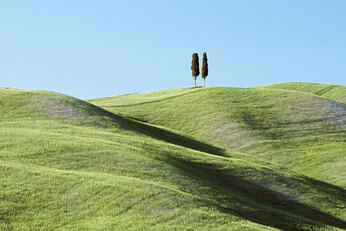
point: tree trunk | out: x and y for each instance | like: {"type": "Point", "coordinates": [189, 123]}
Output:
{"type": "Point", "coordinates": [195, 82]}
{"type": "Point", "coordinates": [204, 82]}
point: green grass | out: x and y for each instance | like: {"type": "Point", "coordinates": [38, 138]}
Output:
{"type": "Point", "coordinates": [68, 165]}
{"type": "Point", "coordinates": [296, 129]}
{"type": "Point", "coordinates": [334, 92]}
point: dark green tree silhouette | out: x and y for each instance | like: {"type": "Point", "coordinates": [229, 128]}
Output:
{"type": "Point", "coordinates": [195, 66]}
{"type": "Point", "coordinates": [205, 67]}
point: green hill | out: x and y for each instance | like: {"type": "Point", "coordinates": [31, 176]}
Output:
{"type": "Point", "coordinates": [66, 164]}
{"type": "Point", "coordinates": [299, 130]}
{"type": "Point", "coordinates": [329, 91]}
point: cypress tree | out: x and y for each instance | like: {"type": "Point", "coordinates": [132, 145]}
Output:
{"type": "Point", "coordinates": [205, 67]}
{"type": "Point", "coordinates": [195, 66]}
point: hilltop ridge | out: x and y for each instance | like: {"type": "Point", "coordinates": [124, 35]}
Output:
{"type": "Point", "coordinates": [329, 91]}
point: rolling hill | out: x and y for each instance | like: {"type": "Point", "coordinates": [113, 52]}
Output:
{"type": "Point", "coordinates": [329, 91]}
{"type": "Point", "coordinates": [295, 128]}
{"type": "Point", "coordinates": [68, 164]}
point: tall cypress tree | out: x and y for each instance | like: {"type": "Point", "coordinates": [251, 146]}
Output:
{"type": "Point", "coordinates": [205, 67]}
{"type": "Point", "coordinates": [195, 66]}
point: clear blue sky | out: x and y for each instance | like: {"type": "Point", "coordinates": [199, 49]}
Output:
{"type": "Point", "coordinates": [98, 48]}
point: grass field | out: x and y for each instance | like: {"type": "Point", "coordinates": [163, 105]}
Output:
{"type": "Point", "coordinates": [329, 91]}
{"type": "Point", "coordinates": [177, 159]}
{"type": "Point", "coordinates": [304, 132]}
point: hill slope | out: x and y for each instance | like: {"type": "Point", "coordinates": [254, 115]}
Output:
{"type": "Point", "coordinates": [329, 91]}
{"type": "Point", "coordinates": [66, 164]}
{"type": "Point", "coordinates": [296, 129]}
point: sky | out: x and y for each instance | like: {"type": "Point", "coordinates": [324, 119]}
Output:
{"type": "Point", "coordinates": [100, 48]}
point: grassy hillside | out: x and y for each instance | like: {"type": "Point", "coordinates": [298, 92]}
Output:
{"type": "Point", "coordinates": [295, 129]}
{"type": "Point", "coordinates": [66, 164]}
{"type": "Point", "coordinates": [329, 91]}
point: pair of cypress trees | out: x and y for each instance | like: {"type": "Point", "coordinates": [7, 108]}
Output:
{"type": "Point", "coordinates": [195, 67]}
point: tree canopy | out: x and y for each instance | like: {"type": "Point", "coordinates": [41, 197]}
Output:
{"type": "Point", "coordinates": [205, 66]}
{"type": "Point", "coordinates": [195, 66]}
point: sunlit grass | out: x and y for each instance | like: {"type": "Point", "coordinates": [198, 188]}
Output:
{"type": "Point", "coordinates": [66, 164]}
{"type": "Point", "coordinates": [290, 127]}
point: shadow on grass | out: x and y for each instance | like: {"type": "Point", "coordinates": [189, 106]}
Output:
{"type": "Point", "coordinates": [175, 138]}
{"type": "Point", "coordinates": [158, 133]}
{"type": "Point", "coordinates": [235, 194]}
{"type": "Point", "coordinates": [238, 196]}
